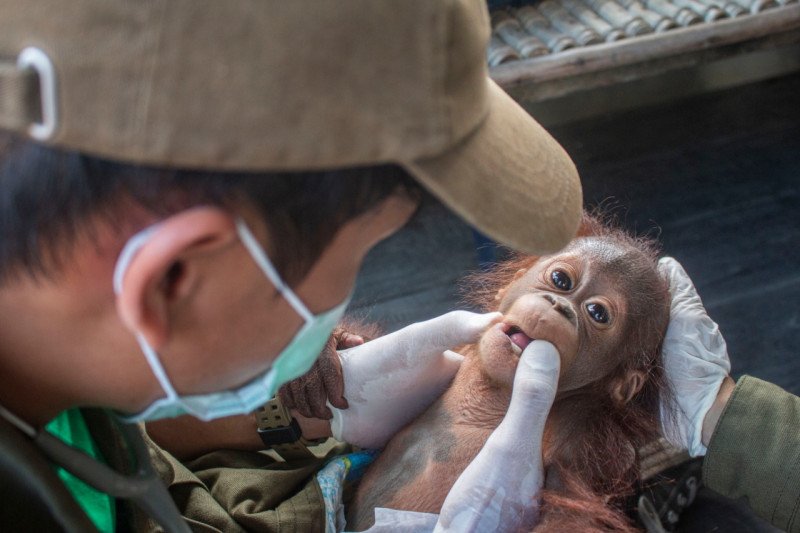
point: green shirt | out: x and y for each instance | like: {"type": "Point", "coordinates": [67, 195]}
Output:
{"type": "Point", "coordinates": [70, 427]}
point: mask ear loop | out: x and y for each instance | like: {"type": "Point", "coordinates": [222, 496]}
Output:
{"type": "Point", "coordinates": [263, 262]}
{"type": "Point", "coordinates": [157, 368]}
{"type": "Point", "coordinates": [125, 257]}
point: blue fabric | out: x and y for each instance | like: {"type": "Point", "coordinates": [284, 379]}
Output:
{"type": "Point", "coordinates": [332, 478]}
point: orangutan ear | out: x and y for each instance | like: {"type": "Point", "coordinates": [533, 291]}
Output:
{"type": "Point", "coordinates": [500, 293]}
{"type": "Point", "coordinates": [623, 389]}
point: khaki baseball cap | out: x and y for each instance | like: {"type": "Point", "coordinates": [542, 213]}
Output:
{"type": "Point", "coordinates": [291, 85]}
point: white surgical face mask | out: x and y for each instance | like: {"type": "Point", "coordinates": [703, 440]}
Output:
{"type": "Point", "coordinates": [294, 361]}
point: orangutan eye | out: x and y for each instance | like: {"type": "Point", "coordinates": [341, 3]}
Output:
{"type": "Point", "coordinates": [598, 313]}
{"type": "Point", "coordinates": [561, 280]}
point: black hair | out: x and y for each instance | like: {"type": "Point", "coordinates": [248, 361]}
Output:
{"type": "Point", "coordinates": [49, 196]}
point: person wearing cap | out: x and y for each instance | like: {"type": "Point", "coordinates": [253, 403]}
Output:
{"type": "Point", "coordinates": [188, 190]}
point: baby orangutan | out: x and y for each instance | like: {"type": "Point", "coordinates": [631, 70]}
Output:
{"type": "Point", "coordinates": [602, 303]}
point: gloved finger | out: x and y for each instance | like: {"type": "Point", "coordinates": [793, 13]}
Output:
{"type": "Point", "coordinates": [680, 284]}
{"type": "Point", "coordinates": [453, 357]}
{"type": "Point", "coordinates": [691, 332]}
{"type": "Point", "coordinates": [536, 378]}
{"type": "Point", "coordinates": [452, 329]}
{"type": "Point", "coordinates": [469, 326]}
{"type": "Point", "coordinates": [683, 292]}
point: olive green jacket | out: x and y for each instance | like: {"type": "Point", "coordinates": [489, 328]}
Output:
{"type": "Point", "coordinates": [230, 491]}
{"type": "Point", "coordinates": [755, 452]}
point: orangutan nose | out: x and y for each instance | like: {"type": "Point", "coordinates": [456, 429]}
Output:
{"type": "Point", "coordinates": [562, 305]}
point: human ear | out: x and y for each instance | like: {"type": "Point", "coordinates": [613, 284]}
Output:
{"type": "Point", "coordinates": [164, 271]}
{"type": "Point", "coordinates": [502, 292]}
{"type": "Point", "coordinates": [624, 388]}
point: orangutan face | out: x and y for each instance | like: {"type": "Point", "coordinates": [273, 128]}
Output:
{"type": "Point", "coordinates": [574, 299]}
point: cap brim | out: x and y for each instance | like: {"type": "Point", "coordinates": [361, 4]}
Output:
{"type": "Point", "coordinates": [509, 178]}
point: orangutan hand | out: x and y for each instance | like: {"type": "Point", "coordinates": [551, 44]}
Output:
{"type": "Point", "coordinates": [392, 379]}
{"type": "Point", "coordinates": [323, 383]}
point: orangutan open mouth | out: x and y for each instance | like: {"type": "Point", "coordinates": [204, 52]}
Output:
{"type": "Point", "coordinates": [519, 340]}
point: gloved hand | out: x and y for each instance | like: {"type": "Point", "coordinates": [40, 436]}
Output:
{"type": "Point", "coordinates": [389, 381]}
{"type": "Point", "coordinates": [498, 490]}
{"type": "Point", "coordinates": [695, 360]}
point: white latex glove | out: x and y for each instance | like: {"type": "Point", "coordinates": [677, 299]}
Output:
{"type": "Point", "coordinates": [499, 490]}
{"type": "Point", "coordinates": [695, 359]}
{"type": "Point", "coordinates": [389, 381]}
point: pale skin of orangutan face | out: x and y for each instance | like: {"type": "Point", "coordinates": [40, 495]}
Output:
{"type": "Point", "coordinates": [568, 299]}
